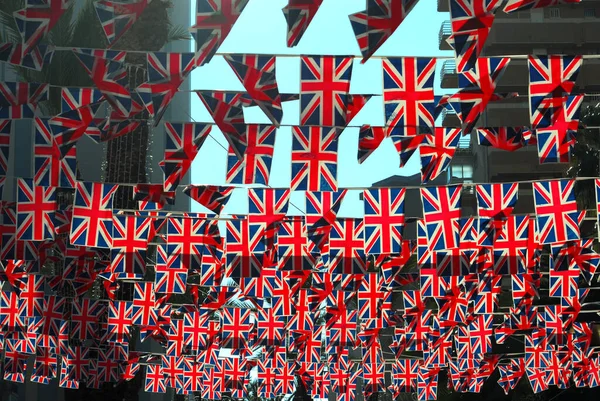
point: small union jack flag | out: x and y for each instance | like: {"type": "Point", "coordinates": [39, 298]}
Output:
{"type": "Point", "coordinates": [36, 20]}
{"type": "Point", "coordinates": [110, 78]}
{"type": "Point", "coordinates": [20, 99]}
{"type": "Point", "coordinates": [495, 203]}
{"type": "Point", "coordinates": [437, 152]}
{"type": "Point", "coordinates": [67, 128]}
{"type": "Point", "coordinates": [211, 197]}
{"type": "Point", "coordinates": [511, 246]}
{"type": "Point", "coordinates": [477, 88]}
{"type": "Point", "coordinates": [75, 98]}
{"type": "Point", "coordinates": [129, 244]}
{"type": "Point", "coordinates": [511, 374]}
{"type": "Point", "coordinates": [5, 131]}
{"type": "Point", "coordinates": [556, 211]}
{"type": "Point", "coordinates": [35, 59]}
{"type": "Point", "coordinates": [346, 246]}
{"type": "Point", "coordinates": [52, 168]}
{"type": "Point", "coordinates": [471, 24]}
{"type": "Point", "coordinates": [441, 211]}
{"type": "Point", "coordinates": [408, 94]}
{"type": "Point", "coordinates": [378, 22]}
{"type": "Point", "coordinates": [384, 220]}
{"type": "Point", "coordinates": [245, 248]}
{"type": "Point", "coordinates": [229, 118]}
{"type": "Point", "coordinates": [555, 143]}
{"type": "Point", "coordinates": [519, 5]}
{"type": "Point", "coordinates": [324, 90]}
{"type": "Point", "coordinates": [299, 14]}
{"type": "Point", "coordinates": [118, 17]}
{"type": "Point", "coordinates": [551, 80]}
{"type": "Point", "coordinates": [255, 165]}
{"type": "Point", "coordinates": [214, 20]}
{"type": "Point", "coordinates": [314, 158]}
{"type": "Point", "coordinates": [505, 138]}
{"type": "Point", "coordinates": [92, 223]}
{"type": "Point", "coordinates": [36, 206]}
{"type": "Point", "coordinates": [261, 86]}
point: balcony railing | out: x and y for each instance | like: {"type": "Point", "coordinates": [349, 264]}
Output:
{"type": "Point", "coordinates": [445, 31]}
{"type": "Point", "coordinates": [448, 68]}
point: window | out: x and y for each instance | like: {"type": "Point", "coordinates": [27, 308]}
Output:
{"type": "Point", "coordinates": [589, 13]}
{"type": "Point", "coordinates": [554, 13]}
{"type": "Point", "coordinates": [464, 172]}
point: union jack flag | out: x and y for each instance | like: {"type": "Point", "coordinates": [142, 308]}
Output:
{"type": "Point", "coordinates": [314, 158]}
{"type": "Point", "coordinates": [67, 128]}
{"type": "Point", "coordinates": [406, 146]}
{"type": "Point", "coordinates": [85, 318]}
{"type": "Point", "coordinates": [384, 220]}
{"type": "Point", "coordinates": [36, 20]}
{"type": "Point", "coordinates": [505, 138]}
{"type": "Point", "coordinates": [554, 143]}
{"type": "Point", "coordinates": [52, 167]}
{"type": "Point", "coordinates": [20, 99]}
{"type": "Point", "coordinates": [35, 211]}
{"type": "Point", "coordinates": [129, 244]}
{"type": "Point", "coordinates": [255, 165]}
{"type": "Point", "coordinates": [109, 77]}
{"type": "Point", "coordinates": [229, 118]}
{"type": "Point", "coordinates": [118, 323]}
{"type": "Point", "coordinates": [511, 374]}
{"type": "Point", "coordinates": [556, 211]}
{"type": "Point", "coordinates": [92, 223]}
{"type": "Point", "coordinates": [245, 248]}
{"type": "Point", "coordinates": [404, 374]}
{"type": "Point", "coordinates": [518, 5]}
{"type": "Point", "coordinates": [170, 278]}
{"type": "Point", "coordinates": [471, 23]}
{"type": "Point", "coordinates": [551, 80]}
{"type": "Point", "coordinates": [324, 90]}
{"type": "Point", "coordinates": [524, 288]}
{"type": "Point", "coordinates": [511, 247]}
{"type": "Point", "coordinates": [408, 94]}
{"type": "Point", "coordinates": [495, 203]}
{"type": "Point", "coordinates": [75, 98]}
{"type": "Point", "coordinates": [427, 380]}
{"type": "Point", "coordinates": [299, 14]}
{"type": "Point", "coordinates": [211, 197]}
{"type": "Point", "coordinates": [437, 152]}
{"type": "Point", "coordinates": [355, 105]}
{"type": "Point", "coordinates": [369, 139]}
{"type": "Point", "coordinates": [144, 304]}
{"type": "Point", "coordinates": [35, 59]}
{"type": "Point", "coordinates": [537, 378]}
{"type": "Point", "coordinates": [477, 88]}
{"type": "Point", "coordinates": [156, 381]}
{"type": "Point", "coordinates": [378, 22]}
{"type": "Point", "coordinates": [45, 365]}
{"type": "Point", "coordinates": [441, 211]}
{"type": "Point", "coordinates": [346, 246]}
{"type": "Point", "coordinates": [261, 86]}
{"type": "Point", "coordinates": [214, 20]}
{"type": "Point", "coordinates": [117, 17]}
{"type": "Point", "coordinates": [236, 324]}
{"type": "Point", "coordinates": [292, 246]}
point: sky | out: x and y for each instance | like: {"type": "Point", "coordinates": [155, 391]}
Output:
{"type": "Point", "coordinates": [262, 29]}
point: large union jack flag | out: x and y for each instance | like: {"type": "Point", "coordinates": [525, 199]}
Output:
{"type": "Point", "coordinates": [555, 142]}
{"type": "Point", "coordinates": [117, 17]}
{"type": "Point", "coordinates": [408, 94]}
{"type": "Point", "coordinates": [314, 158]}
{"type": "Point", "coordinates": [36, 206]}
{"type": "Point", "coordinates": [214, 20]}
{"type": "Point", "coordinates": [471, 24]}
{"type": "Point", "coordinates": [110, 78]}
{"type": "Point", "coordinates": [551, 80]}
{"type": "Point", "coordinates": [437, 152]}
{"type": "Point", "coordinates": [378, 22]}
{"type": "Point", "coordinates": [36, 20]}
{"type": "Point", "coordinates": [299, 14]}
{"type": "Point", "coordinates": [556, 211]}
{"type": "Point", "coordinates": [477, 88]}
{"type": "Point", "coordinates": [519, 5]}
{"type": "Point", "coordinates": [20, 99]}
{"type": "Point", "coordinates": [324, 90]}
{"type": "Point", "coordinates": [441, 211]}
{"type": "Point", "coordinates": [384, 220]}
{"type": "Point", "coordinates": [255, 165]}
{"type": "Point", "coordinates": [505, 138]}
{"type": "Point", "coordinates": [92, 223]}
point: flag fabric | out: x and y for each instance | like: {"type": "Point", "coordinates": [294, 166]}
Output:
{"type": "Point", "coordinates": [314, 158]}
{"type": "Point", "coordinates": [212, 197]}
{"type": "Point", "coordinates": [229, 118]}
{"type": "Point", "coordinates": [384, 220]}
{"type": "Point", "coordinates": [36, 207]}
{"type": "Point", "coordinates": [35, 59]}
{"type": "Point", "coordinates": [75, 98]}
{"type": "Point", "coordinates": [505, 138]}
{"type": "Point", "coordinates": [441, 211]}
{"type": "Point", "coordinates": [378, 22]}
{"type": "Point", "coordinates": [255, 165]}
{"type": "Point", "coordinates": [408, 95]}
{"type": "Point", "coordinates": [324, 90]}
{"type": "Point", "coordinates": [519, 5]}
{"type": "Point", "coordinates": [69, 127]}
{"type": "Point", "coordinates": [129, 243]}
{"type": "Point", "coordinates": [299, 14]}
{"type": "Point", "coordinates": [92, 223]}
{"type": "Point", "coordinates": [437, 152]}
{"type": "Point", "coordinates": [551, 80]}
{"type": "Point", "coordinates": [495, 203]}
{"type": "Point", "coordinates": [471, 22]}
{"type": "Point", "coordinates": [556, 211]}
{"type": "Point", "coordinates": [477, 88]}
{"type": "Point", "coordinates": [118, 17]}
{"type": "Point", "coordinates": [36, 20]}
{"type": "Point", "coordinates": [19, 99]}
